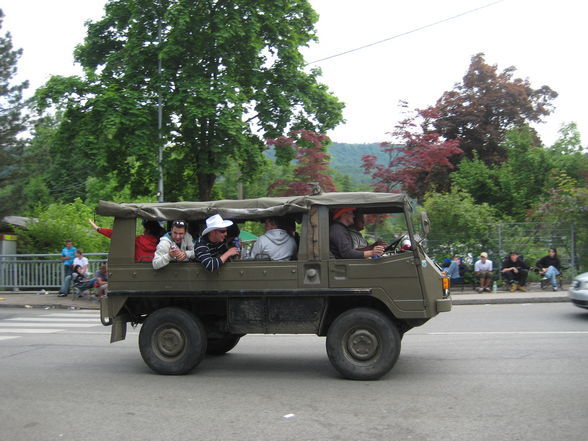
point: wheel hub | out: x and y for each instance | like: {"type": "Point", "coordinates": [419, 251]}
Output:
{"type": "Point", "coordinates": [362, 344]}
{"type": "Point", "coordinates": [170, 342]}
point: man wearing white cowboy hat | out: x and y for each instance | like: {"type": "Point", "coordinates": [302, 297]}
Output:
{"type": "Point", "coordinates": [177, 245]}
{"type": "Point", "coordinates": [210, 249]}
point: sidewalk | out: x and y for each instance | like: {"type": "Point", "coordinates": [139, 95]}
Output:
{"type": "Point", "coordinates": [533, 295]}
{"type": "Point", "coordinates": [35, 299]}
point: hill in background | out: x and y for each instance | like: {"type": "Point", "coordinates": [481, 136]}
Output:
{"type": "Point", "coordinates": [346, 158]}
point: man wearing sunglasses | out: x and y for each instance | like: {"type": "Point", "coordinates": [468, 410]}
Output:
{"type": "Point", "coordinates": [177, 245]}
{"type": "Point", "coordinates": [210, 248]}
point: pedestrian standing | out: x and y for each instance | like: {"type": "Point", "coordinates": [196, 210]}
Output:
{"type": "Point", "coordinates": [67, 256]}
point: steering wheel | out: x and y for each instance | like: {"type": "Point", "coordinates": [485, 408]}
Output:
{"type": "Point", "coordinates": [392, 247]}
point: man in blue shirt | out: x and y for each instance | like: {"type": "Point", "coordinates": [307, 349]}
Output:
{"type": "Point", "coordinates": [67, 256]}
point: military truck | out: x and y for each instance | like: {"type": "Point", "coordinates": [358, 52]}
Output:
{"type": "Point", "coordinates": [362, 306]}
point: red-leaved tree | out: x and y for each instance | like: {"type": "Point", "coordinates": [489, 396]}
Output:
{"type": "Point", "coordinates": [309, 149]}
{"type": "Point", "coordinates": [419, 161]}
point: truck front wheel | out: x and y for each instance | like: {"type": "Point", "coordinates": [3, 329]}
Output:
{"type": "Point", "coordinates": [172, 341]}
{"type": "Point", "coordinates": [363, 344]}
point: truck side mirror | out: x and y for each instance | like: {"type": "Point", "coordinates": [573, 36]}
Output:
{"type": "Point", "coordinates": [425, 223]}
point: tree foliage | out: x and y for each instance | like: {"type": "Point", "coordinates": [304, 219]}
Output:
{"type": "Point", "coordinates": [59, 222]}
{"type": "Point", "coordinates": [421, 163]}
{"type": "Point", "coordinates": [227, 187]}
{"type": "Point", "coordinates": [459, 225]}
{"type": "Point", "coordinates": [12, 123]}
{"type": "Point", "coordinates": [567, 202]}
{"type": "Point", "coordinates": [313, 160]}
{"type": "Point", "coordinates": [481, 109]}
{"type": "Point", "coordinates": [232, 75]}
{"type": "Point", "coordinates": [516, 185]}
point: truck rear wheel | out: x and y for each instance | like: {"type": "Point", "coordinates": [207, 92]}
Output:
{"type": "Point", "coordinates": [363, 344]}
{"type": "Point", "coordinates": [172, 341]}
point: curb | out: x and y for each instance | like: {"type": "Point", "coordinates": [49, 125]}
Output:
{"type": "Point", "coordinates": [455, 300]}
{"type": "Point", "coordinates": [507, 300]}
{"type": "Point", "coordinates": [48, 306]}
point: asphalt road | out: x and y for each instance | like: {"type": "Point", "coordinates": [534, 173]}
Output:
{"type": "Point", "coordinates": [496, 372]}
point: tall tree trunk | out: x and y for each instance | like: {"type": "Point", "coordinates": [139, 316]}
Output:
{"type": "Point", "coordinates": [205, 183]}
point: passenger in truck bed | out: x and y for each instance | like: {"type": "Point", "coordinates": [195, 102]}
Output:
{"type": "Point", "coordinates": [275, 243]}
{"type": "Point", "coordinates": [145, 244]}
{"type": "Point", "coordinates": [210, 249]}
{"type": "Point", "coordinates": [177, 245]}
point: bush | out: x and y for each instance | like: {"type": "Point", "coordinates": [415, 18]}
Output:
{"type": "Point", "coordinates": [59, 222]}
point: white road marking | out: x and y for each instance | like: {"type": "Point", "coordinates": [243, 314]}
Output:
{"type": "Point", "coordinates": [49, 325]}
{"type": "Point", "coordinates": [30, 331]}
{"type": "Point", "coordinates": [506, 332]}
{"type": "Point", "coordinates": [49, 319]}
{"type": "Point", "coordinates": [73, 314]}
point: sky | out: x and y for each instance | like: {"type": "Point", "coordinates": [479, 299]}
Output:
{"type": "Point", "coordinates": [541, 39]}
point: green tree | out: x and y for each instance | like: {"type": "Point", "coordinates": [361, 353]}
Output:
{"type": "Point", "coordinates": [567, 153]}
{"type": "Point", "coordinates": [342, 181]}
{"type": "Point", "coordinates": [458, 224]}
{"type": "Point", "coordinates": [514, 186]}
{"type": "Point", "coordinates": [481, 109]}
{"type": "Point", "coordinates": [257, 187]}
{"type": "Point", "coordinates": [232, 75]}
{"type": "Point", "coordinates": [529, 173]}
{"type": "Point", "coordinates": [567, 202]}
{"type": "Point", "coordinates": [12, 123]}
{"type": "Point", "coordinates": [58, 222]}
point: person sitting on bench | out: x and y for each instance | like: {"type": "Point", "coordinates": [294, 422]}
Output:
{"type": "Point", "coordinates": [515, 271]}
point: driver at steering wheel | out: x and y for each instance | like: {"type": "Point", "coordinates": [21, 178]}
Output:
{"type": "Point", "coordinates": [359, 242]}
{"type": "Point", "coordinates": [340, 241]}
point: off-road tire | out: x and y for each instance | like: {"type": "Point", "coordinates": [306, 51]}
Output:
{"type": "Point", "coordinates": [172, 341]}
{"type": "Point", "coordinates": [363, 344]}
{"type": "Point", "coordinates": [220, 346]}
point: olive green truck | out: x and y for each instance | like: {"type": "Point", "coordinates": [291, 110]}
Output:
{"type": "Point", "coordinates": [362, 306]}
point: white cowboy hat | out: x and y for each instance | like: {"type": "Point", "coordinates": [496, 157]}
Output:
{"type": "Point", "coordinates": [216, 222]}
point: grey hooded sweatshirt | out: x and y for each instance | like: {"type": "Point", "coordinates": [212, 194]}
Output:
{"type": "Point", "coordinates": [277, 244]}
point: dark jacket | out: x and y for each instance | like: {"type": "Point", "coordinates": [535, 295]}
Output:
{"type": "Point", "coordinates": [208, 253]}
{"type": "Point", "coordinates": [519, 264]}
{"type": "Point", "coordinates": [547, 261]}
{"type": "Point", "coordinates": [341, 244]}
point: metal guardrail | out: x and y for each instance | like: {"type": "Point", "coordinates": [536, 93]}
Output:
{"type": "Point", "coordinates": [18, 271]}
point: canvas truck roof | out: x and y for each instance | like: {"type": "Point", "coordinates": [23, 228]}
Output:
{"type": "Point", "coordinates": [249, 208]}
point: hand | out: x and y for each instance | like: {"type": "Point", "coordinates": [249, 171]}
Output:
{"type": "Point", "coordinates": [233, 251]}
{"type": "Point", "coordinates": [515, 270]}
{"type": "Point", "coordinates": [229, 253]}
{"type": "Point", "coordinates": [96, 227]}
{"type": "Point", "coordinates": [176, 253]}
{"type": "Point", "coordinates": [377, 251]}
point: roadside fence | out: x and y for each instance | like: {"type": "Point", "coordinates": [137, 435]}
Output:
{"type": "Point", "coordinates": [36, 271]}
{"type": "Point", "coordinates": [530, 239]}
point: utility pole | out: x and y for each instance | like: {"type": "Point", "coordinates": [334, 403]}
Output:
{"type": "Point", "coordinates": [159, 120]}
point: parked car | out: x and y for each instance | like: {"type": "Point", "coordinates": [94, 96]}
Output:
{"type": "Point", "coordinates": [579, 291]}
{"type": "Point", "coordinates": [362, 306]}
